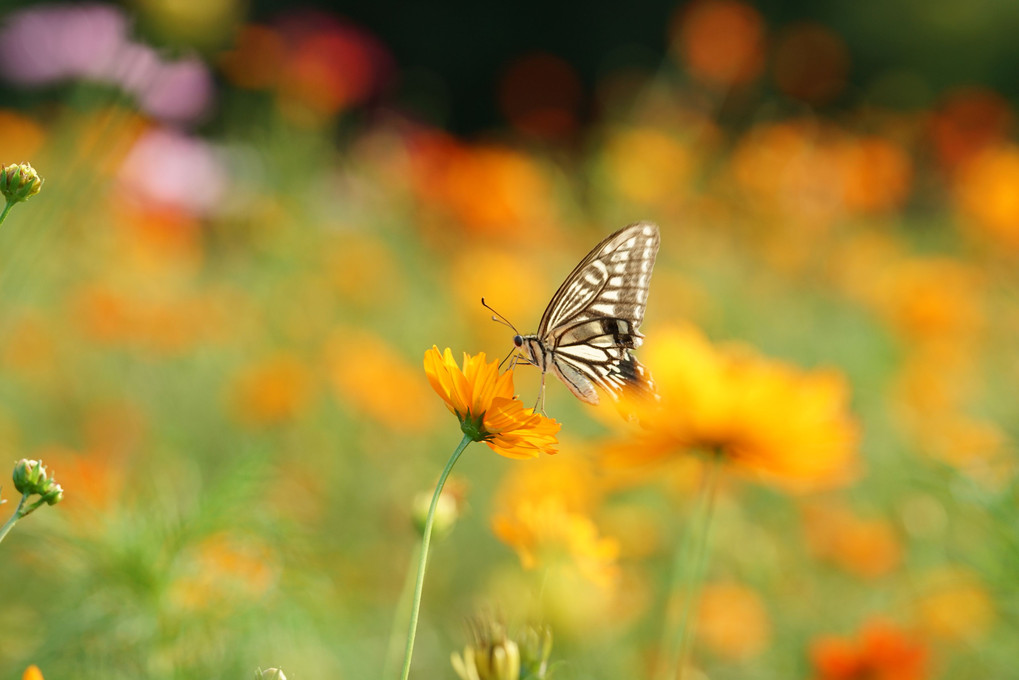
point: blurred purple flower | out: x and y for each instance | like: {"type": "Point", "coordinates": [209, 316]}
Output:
{"type": "Point", "coordinates": [171, 169]}
{"type": "Point", "coordinates": [51, 43]}
{"type": "Point", "coordinates": [180, 91]}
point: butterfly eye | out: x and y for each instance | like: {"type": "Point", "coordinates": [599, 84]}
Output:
{"type": "Point", "coordinates": [518, 341]}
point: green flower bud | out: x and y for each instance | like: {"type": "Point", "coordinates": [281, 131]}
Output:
{"type": "Point", "coordinates": [19, 182]}
{"type": "Point", "coordinates": [29, 475]}
{"type": "Point", "coordinates": [535, 650]}
{"type": "Point", "coordinates": [54, 494]}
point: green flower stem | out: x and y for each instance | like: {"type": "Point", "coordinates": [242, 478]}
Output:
{"type": "Point", "coordinates": [687, 576]}
{"type": "Point", "coordinates": [17, 512]}
{"type": "Point", "coordinates": [423, 557]}
{"type": "Point", "coordinates": [402, 610]}
{"type": "Point", "coordinates": [7, 209]}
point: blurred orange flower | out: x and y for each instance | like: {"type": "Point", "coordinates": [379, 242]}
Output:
{"type": "Point", "coordinates": [763, 416]}
{"type": "Point", "coordinates": [273, 390]}
{"type": "Point", "coordinates": [224, 568]}
{"type": "Point", "coordinates": [483, 401]}
{"type": "Point", "coordinates": [255, 61]}
{"type": "Point", "coordinates": [882, 652]}
{"type": "Point", "coordinates": [32, 673]}
{"type": "Point", "coordinates": [720, 41]}
{"type": "Point", "coordinates": [20, 137]}
{"type": "Point", "coordinates": [732, 620]}
{"type": "Point", "coordinates": [356, 359]}
{"type": "Point", "coordinates": [970, 120]}
{"type": "Point", "coordinates": [987, 196]}
{"type": "Point", "coordinates": [878, 175]}
{"type": "Point", "coordinates": [491, 190]}
{"type": "Point", "coordinates": [868, 548]}
{"type": "Point", "coordinates": [544, 531]}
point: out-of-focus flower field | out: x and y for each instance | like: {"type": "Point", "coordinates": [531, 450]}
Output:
{"type": "Point", "coordinates": [213, 318]}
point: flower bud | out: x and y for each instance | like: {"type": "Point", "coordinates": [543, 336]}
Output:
{"type": "Point", "coordinates": [19, 182]}
{"type": "Point", "coordinates": [493, 656]}
{"type": "Point", "coordinates": [447, 509]}
{"type": "Point", "coordinates": [535, 650]}
{"type": "Point", "coordinates": [54, 494]}
{"type": "Point", "coordinates": [269, 674]}
{"type": "Point", "coordinates": [29, 475]}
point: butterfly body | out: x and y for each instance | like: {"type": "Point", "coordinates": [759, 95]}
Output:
{"type": "Point", "coordinates": [593, 321]}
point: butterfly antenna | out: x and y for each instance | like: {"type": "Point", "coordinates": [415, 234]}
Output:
{"type": "Point", "coordinates": [499, 317]}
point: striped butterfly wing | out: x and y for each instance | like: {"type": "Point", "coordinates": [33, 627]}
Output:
{"type": "Point", "coordinates": [593, 320]}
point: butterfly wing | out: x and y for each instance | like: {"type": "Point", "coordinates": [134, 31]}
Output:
{"type": "Point", "coordinates": [594, 318]}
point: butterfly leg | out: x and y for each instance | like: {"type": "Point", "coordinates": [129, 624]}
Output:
{"type": "Point", "coordinates": [539, 405]}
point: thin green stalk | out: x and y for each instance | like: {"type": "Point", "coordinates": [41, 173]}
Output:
{"type": "Point", "coordinates": [7, 209]}
{"type": "Point", "coordinates": [402, 609]}
{"type": "Point", "coordinates": [687, 577]}
{"type": "Point", "coordinates": [423, 557]}
{"type": "Point", "coordinates": [17, 511]}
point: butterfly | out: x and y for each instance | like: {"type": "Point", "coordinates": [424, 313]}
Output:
{"type": "Point", "coordinates": [593, 321]}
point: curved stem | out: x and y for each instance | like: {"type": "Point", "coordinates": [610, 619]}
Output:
{"type": "Point", "coordinates": [14, 518]}
{"type": "Point", "coordinates": [7, 209]}
{"type": "Point", "coordinates": [423, 557]}
{"type": "Point", "coordinates": [688, 575]}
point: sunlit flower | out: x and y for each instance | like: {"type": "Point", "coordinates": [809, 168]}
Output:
{"type": "Point", "coordinates": [732, 620]}
{"type": "Point", "coordinates": [545, 532]}
{"type": "Point", "coordinates": [881, 652]}
{"type": "Point", "coordinates": [483, 401]}
{"type": "Point", "coordinates": [763, 416]}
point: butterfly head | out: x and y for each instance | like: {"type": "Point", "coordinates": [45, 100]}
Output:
{"type": "Point", "coordinates": [518, 340]}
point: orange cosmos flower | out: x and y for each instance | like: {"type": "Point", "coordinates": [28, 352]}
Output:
{"type": "Point", "coordinates": [483, 401]}
{"type": "Point", "coordinates": [881, 653]}
{"type": "Point", "coordinates": [764, 416]}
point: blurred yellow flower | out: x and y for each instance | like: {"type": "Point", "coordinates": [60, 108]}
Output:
{"type": "Point", "coordinates": [483, 401]}
{"type": "Point", "coordinates": [545, 532]}
{"type": "Point", "coordinates": [732, 621]}
{"type": "Point", "coordinates": [763, 416]}
{"type": "Point", "coordinates": [32, 673]}
{"type": "Point", "coordinates": [955, 606]}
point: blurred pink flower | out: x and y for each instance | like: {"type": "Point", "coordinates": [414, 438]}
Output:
{"type": "Point", "coordinates": [172, 170]}
{"type": "Point", "coordinates": [179, 91]}
{"type": "Point", "coordinates": [52, 43]}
